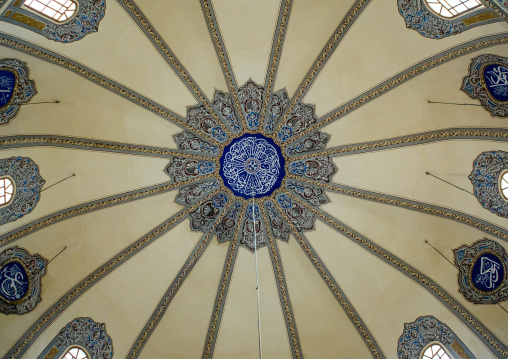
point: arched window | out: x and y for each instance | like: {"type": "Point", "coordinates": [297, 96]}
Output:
{"type": "Point", "coordinates": [503, 185]}
{"type": "Point", "coordinates": [75, 353]}
{"type": "Point", "coordinates": [435, 351]}
{"type": "Point", "coordinates": [57, 10]}
{"type": "Point", "coordinates": [453, 8]}
{"type": "Point", "coordinates": [6, 190]}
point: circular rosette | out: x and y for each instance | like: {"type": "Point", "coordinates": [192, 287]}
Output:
{"type": "Point", "coordinates": [252, 166]}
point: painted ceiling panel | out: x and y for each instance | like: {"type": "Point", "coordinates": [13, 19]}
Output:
{"type": "Point", "coordinates": [238, 329]}
{"type": "Point", "coordinates": [91, 240]}
{"type": "Point", "coordinates": [377, 222]}
{"type": "Point", "coordinates": [248, 28]}
{"type": "Point", "coordinates": [113, 170]}
{"type": "Point", "coordinates": [144, 286]}
{"type": "Point", "coordinates": [98, 114]}
{"type": "Point", "coordinates": [319, 317]}
{"type": "Point", "coordinates": [114, 52]}
{"type": "Point", "coordinates": [373, 56]}
{"type": "Point", "coordinates": [185, 323]}
{"type": "Point", "coordinates": [309, 28]}
{"type": "Point", "coordinates": [455, 165]}
{"type": "Point", "coordinates": [412, 113]}
{"type": "Point", "coordinates": [393, 298]}
{"type": "Point", "coordinates": [181, 25]}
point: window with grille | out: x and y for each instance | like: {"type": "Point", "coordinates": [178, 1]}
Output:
{"type": "Point", "coordinates": [6, 190]}
{"type": "Point", "coordinates": [453, 8]}
{"type": "Point", "coordinates": [504, 185]}
{"type": "Point", "coordinates": [435, 351]}
{"type": "Point", "coordinates": [75, 353]}
{"type": "Point", "coordinates": [57, 10]}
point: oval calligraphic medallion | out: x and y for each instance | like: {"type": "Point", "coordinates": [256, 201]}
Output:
{"type": "Point", "coordinates": [487, 273]}
{"type": "Point", "coordinates": [252, 166]}
{"type": "Point", "coordinates": [496, 79]}
{"type": "Point", "coordinates": [13, 281]}
{"type": "Point", "coordinates": [7, 85]}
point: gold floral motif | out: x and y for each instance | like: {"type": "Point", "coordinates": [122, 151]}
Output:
{"type": "Point", "coordinates": [222, 58]}
{"type": "Point", "coordinates": [438, 135]}
{"type": "Point", "coordinates": [276, 52]}
{"type": "Point", "coordinates": [30, 21]}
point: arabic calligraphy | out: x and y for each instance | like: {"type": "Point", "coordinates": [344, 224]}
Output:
{"type": "Point", "coordinates": [7, 83]}
{"type": "Point", "coordinates": [496, 79]}
{"type": "Point", "coordinates": [13, 281]}
{"type": "Point", "coordinates": [252, 166]}
{"type": "Point", "coordinates": [488, 272]}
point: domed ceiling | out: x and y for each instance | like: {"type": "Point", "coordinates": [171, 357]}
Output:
{"type": "Point", "coordinates": [244, 175]}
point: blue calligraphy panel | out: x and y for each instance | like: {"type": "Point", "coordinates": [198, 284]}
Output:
{"type": "Point", "coordinates": [7, 83]}
{"type": "Point", "coordinates": [496, 79]}
{"type": "Point", "coordinates": [252, 166]}
{"type": "Point", "coordinates": [13, 281]}
{"type": "Point", "coordinates": [488, 272]}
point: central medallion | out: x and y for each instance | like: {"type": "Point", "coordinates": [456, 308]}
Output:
{"type": "Point", "coordinates": [252, 166]}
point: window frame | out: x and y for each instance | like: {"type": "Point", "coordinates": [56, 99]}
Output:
{"type": "Point", "coordinates": [13, 191]}
{"type": "Point", "coordinates": [47, 17]}
{"type": "Point", "coordinates": [435, 342]}
{"type": "Point", "coordinates": [66, 351]}
{"type": "Point", "coordinates": [500, 181]}
{"type": "Point", "coordinates": [468, 12]}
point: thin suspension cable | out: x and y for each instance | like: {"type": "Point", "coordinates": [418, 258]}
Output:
{"type": "Point", "coordinates": [257, 278]}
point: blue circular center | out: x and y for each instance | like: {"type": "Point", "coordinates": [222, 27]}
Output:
{"type": "Point", "coordinates": [496, 79]}
{"type": "Point", "coordinates": [252, 166]}
{"type": "Point", "coordinates": [7, 82]}
{"type": "Point", "coordinates": [488, 272]}
{"type": "Point", "coordinates": [13, 281]}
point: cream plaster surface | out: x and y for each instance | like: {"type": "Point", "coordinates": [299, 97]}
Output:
{"type": "Point", "coordinates": [182, 330]}
{"type": "Point", "coordinates": [408, 243]}
{"type": "Point", "coordinates": [368, 56]}
{"type": "Point", "coordinates": [309, 29]}
{"type": "Point", "coordinates": [405, 109]}
{"type": "Point", "coordinates": [401, 172]}
{"type": "Point", "coordinates": [97, 175]}
{"type": "Point", "coordinates": [91, 240]}
{"type": "Point", "coordinates": [134, 288]}
{"type": "Point", "coordinates": [320, 319]}
{"type": "Point", "coordinates": [248, 27]}
{"type": "Point", "coordinates": [393, 298]}
{"type": "Point", "coordinates": [182, 26]}
{"type": "Point", "coordinates": [115, 54]}
{"type": "Point", "coordinates": [238, 333]}
{"type": "Point", "coordinates": [85, 109]}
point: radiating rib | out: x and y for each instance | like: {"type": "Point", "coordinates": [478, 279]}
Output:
{"type": "Point", "coordinates": [336, 290]}
{"type": "Point", "coordinates": [171, 292]}
{"type": "Point", "coordinates": [285, 302]}
{"type": "Point", "coordinates": [494, 344]}
{"type": "Point", "coordinates": [45, 320]}
{"type": "Point", "coordinates": [55, 58]}
{"type": "Point", "coordinates": [91, 206]}
{"type": "Point", "coordinates": [137, 15]}
{"type": "Point", "coordinates": [324, 56]}
{"type": "Point", "coordinates": [403, 76]}
{"type": "Point", "coordinates": [81, 143]}
{"type": "Point", "coordinates": [222, 54]}
{"type": "Point", "coordinates": [278, 41]}
{"type": "Point", "coordinates": [222, 291]}
{"type": "Point", "coordinates": [473, 133]}
{"type": "Point", "coordinates": [439, 211]}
